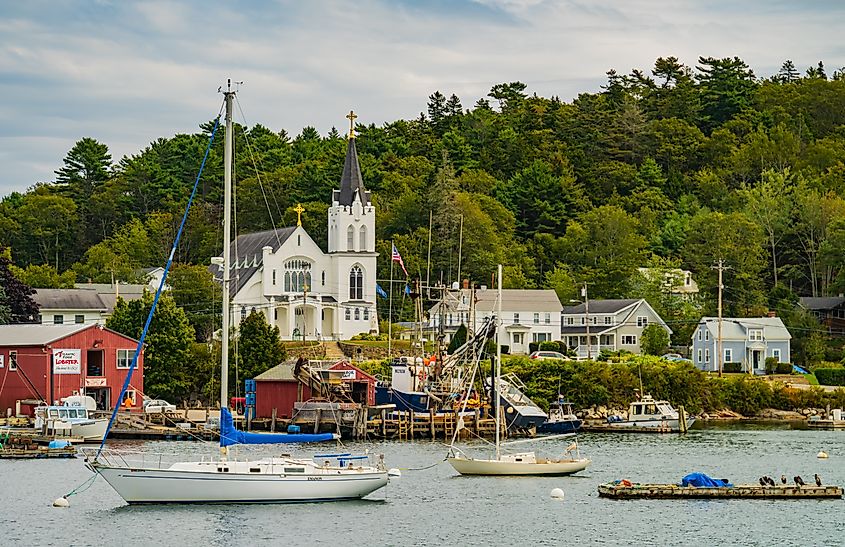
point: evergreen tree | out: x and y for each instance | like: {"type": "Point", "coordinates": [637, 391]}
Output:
{"type": "Point", "coordinates": [17, 297]}
{"type": "Point", "coordinates": [259, 346]}
{"type": "Point", "coordinates": [788, 73]}
{"type": "Point", "coordinates": [5, 309]}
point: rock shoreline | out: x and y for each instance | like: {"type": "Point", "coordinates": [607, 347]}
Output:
{"type": "Point", "coordinates": [602, 412]}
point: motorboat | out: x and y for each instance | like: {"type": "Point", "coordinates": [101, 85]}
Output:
{"type": "Point", "coordinates": [69, 421]}
{"type": "Point", "coordinates": [650, 415]}
{"type": "Point", "coordinates": [562, 418]}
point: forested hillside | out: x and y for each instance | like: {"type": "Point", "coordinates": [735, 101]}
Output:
{"type": "Point", "coordinates": [676, 166]}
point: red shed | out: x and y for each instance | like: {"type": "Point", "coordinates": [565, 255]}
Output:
{"type": "Point", "coordinates": [85, 360]}
{"type": "Point", "coordinates": [363, 385]}
{"type": "Point", "coordinates": [278, 388]}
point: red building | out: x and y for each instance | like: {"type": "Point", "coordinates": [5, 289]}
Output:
{"type": "Point", "coordinates": [84, 360]}
{"type": "Point", "coordinates": [362, 385]}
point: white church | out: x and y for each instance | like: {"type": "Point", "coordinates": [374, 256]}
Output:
{"type": "Point", "coordinates": [309, 294]}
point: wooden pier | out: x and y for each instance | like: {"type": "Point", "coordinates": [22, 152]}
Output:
{"type": "Point", "coordinates": [744, 491]}
{"type": "Point", "coordinates": [431, 425]}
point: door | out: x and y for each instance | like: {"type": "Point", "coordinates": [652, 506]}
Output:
{"type": "Point", "coordinates": [755, 359]}
{"type": "Point", "coordinates": [102, 395]}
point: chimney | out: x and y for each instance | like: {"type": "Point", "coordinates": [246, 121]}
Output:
{"type": "Point", "coordinates": [772, 313]}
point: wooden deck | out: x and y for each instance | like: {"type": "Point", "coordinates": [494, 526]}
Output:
{"type": "Point", "coordinates": [37, 453]}
{"type": "Point", "coordinates": [744, 491]}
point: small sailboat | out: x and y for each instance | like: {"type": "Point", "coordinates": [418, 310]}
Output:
{"type": "Point", "coordinates": [221, 480]}
{"type": "Point", "coordinates": [524, 463]}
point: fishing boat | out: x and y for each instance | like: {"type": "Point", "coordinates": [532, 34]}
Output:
{"type": "Point", "coordinates": [67, 421]}
{"type": "Point", "coordinates": [522, 415]}
{"type": "Point", "coordinates": [650, 415]}
{"type": "Point", "coordinates": [146, 479]}
{"type": "Point", "coordinates": [562, 418]}
{"type": "Point", "coordinates": [524, 463]}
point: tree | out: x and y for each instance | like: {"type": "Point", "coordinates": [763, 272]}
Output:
{"type": "Point", "coordinates": [726, 86]}
{"type": "Point", "coordinates": [788, 73]}
{"type": "Point", "coordinates": [167, 369]}
{"type": "Point", "coordinates": [654, 340]}
{"type": "Point", "coordinates": [193, 289]}
{"type": "Point", "coordinates": [259, 346]}
{"type": "Point", "coordinates": [17, 296]}
{"type": "Point", "coordinates": [44, 276]}
{"type": "Point", "coordinates": [86, 166]}
{"type": "Point", "coordinates": [764, 204]}
{"type": "Point", "coordinates": [5, 309]}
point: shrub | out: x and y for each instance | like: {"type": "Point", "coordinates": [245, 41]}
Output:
{"type": "Point", "coordinates": [771, 365]}
{"type": "Point", "coordinates": [732, 367]}
{"type": "Point", "coordinates": [549, 346]}
{"type": "Point", "coordinates": [532, 347]}
{"type": "Point", "coordinates": [506, 349]}
{"type": "Point", "coordinates": [831, 376]}
{"type": "Point", "coordinates": [784, 368]}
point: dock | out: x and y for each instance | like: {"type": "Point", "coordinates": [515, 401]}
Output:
{"type": "Point", "coordinates": [38, 452]}
{"type": "Point", "coordinates": [743, 491]}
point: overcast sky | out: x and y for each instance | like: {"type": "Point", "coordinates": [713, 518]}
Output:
{"type": "Point", "coordinates": [126, 73]}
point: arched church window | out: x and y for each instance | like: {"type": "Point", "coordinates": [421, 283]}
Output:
{"type": "Point", "coordinates": [297, 275]}
{"type": "Point", "coordinates": [356, 283]}
{"type": "Point", "coordinates": [366, 314]}
{"type": "Point", "coordinates": [362, 244]}
{"type": "Point", "coordinates": [357, 314]}
{"type": "Point", "coordinates": [287, 281]}
{"type": "Point", "coordinates": [348, 314]}
{"type": "Point", "coordinates": [350, 239]}
{"type": "Point", "coordinates": [308, 280]}
{"type": "Point", "coordinates": [324, 278]}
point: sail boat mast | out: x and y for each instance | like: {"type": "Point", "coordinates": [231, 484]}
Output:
{"type": "Point", "coordinates": [499, 324]}
{"type": "Point", "coordinates": [227, 230]}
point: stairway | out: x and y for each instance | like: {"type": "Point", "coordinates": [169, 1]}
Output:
{"type": "Point", "coordinates": [333, 351]}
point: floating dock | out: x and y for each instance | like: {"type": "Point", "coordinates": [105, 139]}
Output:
{"type": "Point", "coordinates": [744, 491]}
{"type": "Point", "coordinates": [37, 453]}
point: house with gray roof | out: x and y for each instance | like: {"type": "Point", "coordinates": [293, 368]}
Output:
{"type": "Point", "coordinates": [829, 310]}
{"type": "Point", "coordinates": [613, 324]}
{"type": "Point", "coordinates": [86, 304]}
{"type": "Point", "coordinates": [527, 315]}
{"type": "Point", "coordinates": [745, 340]}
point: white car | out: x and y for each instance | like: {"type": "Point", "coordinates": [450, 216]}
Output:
{"type": "Point", "coordinates": [158, 406]}
{"type": "Point", "coordinates": [548, 355]}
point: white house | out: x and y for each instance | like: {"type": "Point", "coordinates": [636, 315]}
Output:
{"type": "Point", "coordinates": [304, 291]}
{"type": "Point", "coordinates": [87, 303]}
{"type": "Point", "coordinates": [527, 315]}
{"type": "Point", "coordinates": [612, 324]}
{"type": "Point", "coordinates": [677, 281]}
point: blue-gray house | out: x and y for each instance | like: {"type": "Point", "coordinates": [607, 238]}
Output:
{"type": "Point", "coordinates": [746, 340]}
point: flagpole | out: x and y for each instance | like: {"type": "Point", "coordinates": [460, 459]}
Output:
{"type": "Point", "coordinates": [390, 306]}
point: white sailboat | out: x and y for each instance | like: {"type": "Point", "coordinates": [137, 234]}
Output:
{"type": "Point", "coordinates": [524, 463]}
{"type": "Point", "coordinates": [221, 480]}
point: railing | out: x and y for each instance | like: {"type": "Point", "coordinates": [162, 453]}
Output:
{"type": "Point", "coordinates": [581, 351]}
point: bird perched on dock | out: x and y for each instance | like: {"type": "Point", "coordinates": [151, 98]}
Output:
{"type": "Point", "coordinates": [770, 481]}
{"type": "Point", "coordinates": [763, 481]}
{"type": "Point", "coordinates": [818, 479]}
{"type": "Point", "coordinates": [798, 480]}
{"type": "Point", "coordinates": [783, 479]}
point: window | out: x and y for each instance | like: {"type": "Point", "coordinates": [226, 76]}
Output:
{"type": "Point", "coordinates": [124, 358]}
{"type": "Point", "coordinates": [700, 334]}
{"type": "Point", "coordinates": [607, 320]}
{"type": "Point", "coordinates": [729, 354]}
{"type": "Point", "coordinates": [548, 318]}
{"type": "Point", "coordinates": [583, 321]}
{"type": "Point", "coordinates": [58, 319]}
{"type": "Point", "coordinates": [356, 283]}
{"type": "Point", "coordinates": [776, 354]}
{"type": "Point", "coordinates": [13, 360]}
{"type": "Point", "coordinates": [323, 314]}
{"type": "Point", "coordinates": [629, 340]}
{"type": "Point", "coordinates": [517, 338]}
{"type": "Point", "coordinates": [348, 314]}
{"type": "Point", "coordinates": [366, 314]}
{"type": "Point", "coordinates": [350, 239]}
{"type": "Point", "coordinates": [362, 243]}
{"type": "Point", "coordinates": [536, 318]}
{"type": "Point", "coordinates": [276, 314]}
{"type": "Point", "coordinates": [324, 278]}
{"type": "Point", "coordinates": [570, 320]}
{"type": "Point", "coordinates": [706, 335]}
{"type": "Point", "coordinates": [298, 240]}
{"type": "Point", "coordinates": [297, 275]}
{"type": "Point", "coordinates": [593, 320]}
{"type": "Point", "coordinates": [516, 319]}
{"type": "Point", "coordinates": [94, 362]}
{"type": "Point", "coordinates": [698, 359]}
{"type": "Point", "coordinates": [357, 314]}
{"type": "Point", "coordinates": [274, 277]}
{"type": "Point", "coordinates": [542, 336]}
{"type": "Point", "coordinates": [78, 319]}
{"type": "Point", "coordinates": [706, 355]}
{"type": "Point", "coordinates": [755, 335]}
{"type": "Point", "coordinates": [642, 321]}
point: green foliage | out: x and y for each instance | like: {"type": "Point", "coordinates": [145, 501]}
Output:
{"type": "Point", "coordinates": [44, 276]}
{"type": "Point", "coordinates": [783, 368]}
{"type": "Point", "coordinates": [5, 310]}
{"type": "Point", "coordinates": [654, 340]}
{"type": "Point", "coordinates": [549, 346]}
{"type": "Point", "coordinates": [167, 348]}
{"type": "Point", "coordinates": [193, 289]}
{"type": "Point", "coordinates": [771, 365]}
{"type": "Point", "coordinates": [17, 296]}
{"type": "Point", "coordinates": [732, 367]}
{"type": "Point", "coordinates": [830, 376]}
{"type": "Point", "coordinates": [259, 346]}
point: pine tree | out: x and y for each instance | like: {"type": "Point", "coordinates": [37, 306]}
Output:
{"type": "Point", "coordinates": [17, 296]}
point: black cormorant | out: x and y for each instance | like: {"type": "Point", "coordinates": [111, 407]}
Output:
{"type": "Point", "coordinates": [818, 479]}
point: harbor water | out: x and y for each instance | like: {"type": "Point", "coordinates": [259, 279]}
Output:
{"type": "Point", "coordinates": [436, 506]}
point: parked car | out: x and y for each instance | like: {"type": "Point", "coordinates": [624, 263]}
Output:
{"type": "Point", "coordinates": [548, 355]}
{"type": "Point", "coordinates": [158, 406]}
{"type": "Point", "coordinates": [675, 357]}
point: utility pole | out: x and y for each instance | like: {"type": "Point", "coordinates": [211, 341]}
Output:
{"type": "Point", "coordinates": [587, 315]}
{"type": "Point", "coordinates": [720, 267]}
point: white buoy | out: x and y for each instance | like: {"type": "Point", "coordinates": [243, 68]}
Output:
{"type": "Point", "coordinates": [557, 494]}
{"type": "Point", "coordinates": [822, 455]}
{"type": "Point", "coordinates": [393, 472]}
{"type": "Point", "coordinates": [61, 502]}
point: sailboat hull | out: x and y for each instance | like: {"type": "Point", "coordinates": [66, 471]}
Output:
{"type": "Point", "coordinates": [137, 486]}
{"type": "Point", "coordinates": [469, 466]}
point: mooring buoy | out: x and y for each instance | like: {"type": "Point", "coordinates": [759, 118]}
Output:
{"type": "Point", "coordinates": [61, 502]}
{"type": "Point", "coordinates": [822, 455]}
{"type": "Point", "coordinates": [393, 472]}
{"type": "Point", "coordinates": [557, 494]}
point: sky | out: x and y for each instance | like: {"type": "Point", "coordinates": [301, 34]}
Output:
{"type": "Point", "coordinates": [128, 72]}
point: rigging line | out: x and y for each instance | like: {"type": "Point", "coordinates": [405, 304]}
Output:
{"type": "Point", "coordinates": [160, 286]}
{"type": "Point", "coordinates": [258, 177]}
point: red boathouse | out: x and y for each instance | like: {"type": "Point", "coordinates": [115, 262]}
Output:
{"type": "Point", "coordinates": [84, 360]}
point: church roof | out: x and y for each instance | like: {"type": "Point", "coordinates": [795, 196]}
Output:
{"type": "Point", "coordinates": [249, 256]}
{"type": "Point", "coordinates": [351, 180]}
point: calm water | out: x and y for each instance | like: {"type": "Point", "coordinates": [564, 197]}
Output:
{"type": "Point", "coordinates": [437, 507]}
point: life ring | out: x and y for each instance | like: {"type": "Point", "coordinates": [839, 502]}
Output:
{"type": "Point", "coordinates": [421, 374]}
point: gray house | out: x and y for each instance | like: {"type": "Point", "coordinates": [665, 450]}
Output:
{"type": "Point", "coordinates": [746, 340]}
{"type": "Point", "coordinates": [612, 325]}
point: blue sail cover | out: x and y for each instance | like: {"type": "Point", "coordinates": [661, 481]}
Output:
{"type": "Point", "coordinates": [700, 480]}
{"type": "Point", "coordinates": [229, 435]}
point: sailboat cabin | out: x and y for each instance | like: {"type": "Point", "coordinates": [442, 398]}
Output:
{"type": "Point", "coordinates": [306, 292]}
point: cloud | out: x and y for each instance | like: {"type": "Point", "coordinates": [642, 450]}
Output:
{"type": "Point", "coordinates": [127, 73]}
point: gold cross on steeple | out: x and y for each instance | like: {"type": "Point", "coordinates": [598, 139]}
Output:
{"type": "Point", "coordinates": [299, 210]}
{"type": "Point", "coordinates": [351, 117]}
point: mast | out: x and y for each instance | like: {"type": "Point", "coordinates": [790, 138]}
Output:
{"type": "Point", "coordinates": [498, 367]}
{"type": "Point", "coordinates": [227, 229]}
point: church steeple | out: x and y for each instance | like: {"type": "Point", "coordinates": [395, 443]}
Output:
{"type": "Point", "coordinates": [351, 181]}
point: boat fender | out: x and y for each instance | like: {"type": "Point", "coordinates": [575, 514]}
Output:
{"type": "Point", "coordinates": [394, 472]}
{"type": "Point", "coordinates": [557, 494]}
{"type": "Point", "coordinates": [61, 502]}
{"type": "Point", "coordinates": [626, 482]}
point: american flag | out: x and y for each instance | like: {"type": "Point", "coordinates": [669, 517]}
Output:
{"type": "Point", "coordinates": [396, 257]}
